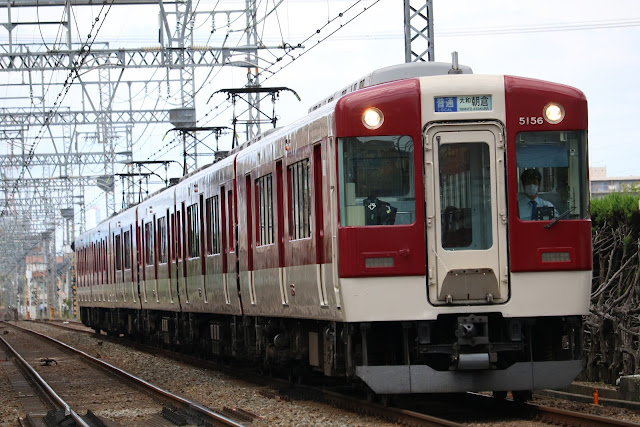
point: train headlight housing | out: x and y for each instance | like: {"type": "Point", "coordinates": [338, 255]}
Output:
{"type": "Point", "coordinates": [553, 113]}
{"type": "Point", "coordinates": [372, 118]}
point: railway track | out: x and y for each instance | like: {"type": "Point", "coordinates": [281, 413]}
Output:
{"type": "Point", "coordinates": [61, 382]}
{"type": "Point", "coordinates": [448, 410]}
{"type": "Point", "coordinates": [482, 409]}
{"type": "Point", "coordinates": [284, 390]}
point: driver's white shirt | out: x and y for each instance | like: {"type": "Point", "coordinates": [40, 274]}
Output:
{"type": "Point", "coordinates": [524, 208]}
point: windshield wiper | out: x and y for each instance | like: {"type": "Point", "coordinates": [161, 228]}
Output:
{"type": "Point", "coordinates": [564, 214]}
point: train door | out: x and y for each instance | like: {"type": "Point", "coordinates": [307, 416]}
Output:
{"type": "Point", "coordinates": [319, 224]}
{"type": "Point", "coordinates": [230, 243]}
{"type": "Point", "coordinates": [466, 221]}
{"type": "Point", "coordinates": [181, 257]}
{"type": "Point", "coordinates": [280, 228]}
{"type": "Point", "coordinates": [143, 260]}
{"type": "Point", "coordinates": [177, 252]}
{"type": "Point", "coordinates": [130, 263]}
{"type": "Point", "coordinates": [154, 248]}
{"type": "Point", "coordinates": [137, 260]}
{"type": "Point", "coordinates": [250, 241]}
{"type": "Point", "coordinates": [118, 267]}
{"type": "Point", "coordinates": [224, 250]}
{"type": "Point", "coordinates": [203, 250]}
{"type": "Point", "coordinates": [171, 248]}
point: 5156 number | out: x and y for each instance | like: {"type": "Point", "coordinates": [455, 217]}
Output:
{"type": "Point", "coordinates": [531, 120]}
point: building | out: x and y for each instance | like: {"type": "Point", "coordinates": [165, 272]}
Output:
{"type": "Point", "coordinates": [601, 184]}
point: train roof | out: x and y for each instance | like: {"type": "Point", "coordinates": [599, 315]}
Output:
{"type": "Point", "coordinates": [396, 72]}
{"type": "Point", "coordinates": [379, 76]}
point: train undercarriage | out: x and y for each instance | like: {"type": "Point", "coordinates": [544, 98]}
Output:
{"type": "Point", "coordinates": [453, 353]}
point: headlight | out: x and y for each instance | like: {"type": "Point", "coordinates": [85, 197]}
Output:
{"type": "Point", "coordinates": [372, 118]}
{"type": "Point", "coordinates": [553, 113]}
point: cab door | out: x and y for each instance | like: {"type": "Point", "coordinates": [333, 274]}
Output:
{"type": "Point", "coordinates": [466, 214]}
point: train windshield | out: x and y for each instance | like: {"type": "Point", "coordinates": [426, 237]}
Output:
{"type": "Point", "coordinates": [376, 180]}
{"type": "Point", "coordinates": [552, 175]}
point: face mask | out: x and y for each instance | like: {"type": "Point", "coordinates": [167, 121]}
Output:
{"type": "Point", "coordinates": [531, 190]}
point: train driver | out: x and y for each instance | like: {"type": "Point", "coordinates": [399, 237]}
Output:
{"type": "Point", "coordinates": [530, 205]}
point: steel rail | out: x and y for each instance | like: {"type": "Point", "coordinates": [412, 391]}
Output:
{"type": "Point", "coordinates": [534, 411]}
{"type": "Point", "coordinates": [45, 387]}
{"type": "Point", "coordinates": [563, 417]}
{"type": "Point", "coordinates": [164, 394]}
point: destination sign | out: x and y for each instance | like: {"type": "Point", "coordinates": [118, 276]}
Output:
{"type": "Point", "coordinates": [455, 104]}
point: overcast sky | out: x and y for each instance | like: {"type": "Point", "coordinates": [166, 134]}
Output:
{"type": "Point", "coordinates": [588, 44]}
{"type": "Point", "coordinates": [582, 43]}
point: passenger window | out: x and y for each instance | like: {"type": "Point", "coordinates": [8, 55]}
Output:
{"type": "Point", "coordinates": [162, 240]}
{"type": "Point", "coordinates": [376, 179]}
{"type": "Point", "coordinates": [264, 196]}
{"type": "Point", "coordinates": [148, 235]}
{"type": "Point", "coordinates": [213, 220]}
{"type": "Point", "coordinates": [299, 193]}
{"type": "Point", "coordinates": [127, 250]}
{"type": "Point", "coordinates": [118, 247]}
{"type": "Point", "coordinates": [193, 230]}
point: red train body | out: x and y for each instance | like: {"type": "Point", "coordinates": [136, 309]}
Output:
{"type": "Point", "coordinates": [382, 238]}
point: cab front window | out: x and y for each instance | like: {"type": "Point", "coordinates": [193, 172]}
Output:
{"type": "Point", "coordinates": [376, 180]}
{"type": "Point", "coordinates": [552, 175]}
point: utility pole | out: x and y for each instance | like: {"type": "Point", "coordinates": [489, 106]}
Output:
{"type": "Point", "coordinates": [418, 31]}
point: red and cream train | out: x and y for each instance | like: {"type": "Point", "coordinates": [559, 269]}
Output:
{"type": "Point", "coordinates": [378, 238]}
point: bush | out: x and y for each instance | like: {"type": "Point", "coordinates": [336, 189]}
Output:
{"type": "Point", "coordinates": [615, 207]}
{"type": "Point", "coordinates": [612, 329]}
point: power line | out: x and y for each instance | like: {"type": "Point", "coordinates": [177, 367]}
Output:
{"type": "Point", "coordinates": [73, 74]}
{"type": "Point", "coordinates": [541, 28]}
{"type": "Point", "coordinates": [317, 32]}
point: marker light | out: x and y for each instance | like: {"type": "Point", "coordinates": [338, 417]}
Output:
{"type": "Point", "coordinates": [372, 118]}
{"type": "Point", "coordinates": [553, 113]}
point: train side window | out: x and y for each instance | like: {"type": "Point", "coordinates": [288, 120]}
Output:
{"type": "Point", "coordinates": [174, 237]}
{"type": "Point", "coordinates": [117, 243]}
{"type": "Point", "coordinates": [148, 243]}
{"type": "Point", "coordinates": [376, 177]}
{"type": "Point", "coordinates": [179, 233]}
{"type": "Point", "coordinates": [264, 191]}
{"type": "Point", "coordinates": [193, 230]}
{"type": "Point", "coordinates": [106, 254]}
{"type": "Point", "coordinates": [299, 195]}
{"type": "Point", "coordinates": [127, 250]}
{"type": "Point", "coordinates": [162, 240]}
{"type": "Point", "coordinates": [213, 225]}
{"type": "Point", "coordinates": [558, 160]}
{"type": "Point", "coordinates": [232, 237]}
{"type": "Point", "coordinates": [103, 261]}
{"type": "Point", "coordinates": [105, 244]}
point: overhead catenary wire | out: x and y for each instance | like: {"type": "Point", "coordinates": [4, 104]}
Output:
{"type": "Point", "coordinates": [71, 77]}
{"type": "Point", "coordinates": [293, 57]}
{"type": "Point", "coordinates": [318, 31]}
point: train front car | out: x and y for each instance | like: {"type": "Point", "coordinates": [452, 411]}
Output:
{"type": "Point", "coordinates": [449, 164]}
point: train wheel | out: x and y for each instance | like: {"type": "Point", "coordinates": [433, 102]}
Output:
{"type": "Point", "coordinates": [371, 395]}
{"type": "Point", "coordinates": [265, 369]}
{"type": "Point", "coordinates": [386, 399]}
{"type": "Point", "coordinates": [295, 375]}
{"type": "Point", "coordinates": [500, 395]}
{"type": "Point", "coordinates": [522, 396]}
